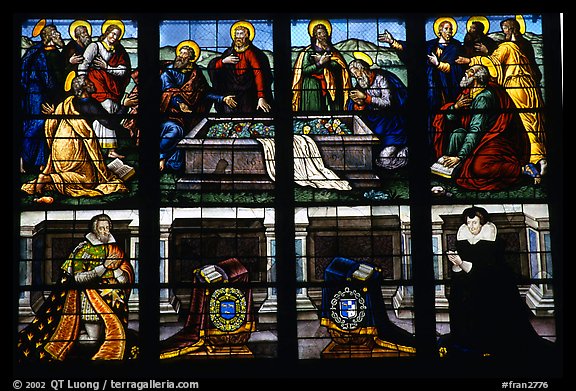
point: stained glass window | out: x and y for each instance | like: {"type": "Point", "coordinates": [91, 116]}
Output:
{"type": "Point", "coordinates": [256, 195]}
{"type": "Point", "coordinates": [217, 153]}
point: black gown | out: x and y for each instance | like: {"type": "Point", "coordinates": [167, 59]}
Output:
{"type": "Point", "coordinates": [487, 312]}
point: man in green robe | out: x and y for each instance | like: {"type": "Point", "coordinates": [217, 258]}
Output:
{"type": "Point", "coordinates": [481, 135]}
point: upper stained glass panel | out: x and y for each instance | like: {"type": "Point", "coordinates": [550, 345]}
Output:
{"type": "Point", "coordinates": [77, 144]}
{"type": "Point", "coordinates": [349, 95]}
{"type": "Point", "coordinates": [486, 99]}
{"type": "Point", "coordinates": [217, 126]}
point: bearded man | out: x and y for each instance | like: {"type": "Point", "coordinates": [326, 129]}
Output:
{"type": "Point", "coordinates": [512, 68]}
{"type": "Point", "coordinates": [381, 96]}
{"type": "Point", "coordinates": [476, 41]}
{"type": "Point", "coordinates": [43, 83]}
{"type": "Point", "coordinates": [88, 312]}
{"type": "Point", "coordinates": [481, 135]}
{"type": "Point", "coordinates": [75, 165]}
{"type": "Point", "coordinates": [184, 90]}
{"type": "Point", "coordinates": [74, 50]}
{"type": "Point", "coordinates": [242, 71]}
{"type": "Point", "coordinates": [320, 75]}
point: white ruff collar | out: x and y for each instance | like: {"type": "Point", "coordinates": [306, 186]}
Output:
{"type": "Point", "coordinates": [96, 242]}
{"type": "Point", "coordinates": [487, 232]}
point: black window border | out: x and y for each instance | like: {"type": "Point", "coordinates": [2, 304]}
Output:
{"type": "Point", "coordinates": [426, 365]}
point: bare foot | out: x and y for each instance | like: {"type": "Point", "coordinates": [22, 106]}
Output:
{"type": "Point", "coordinates": [40, 182]}
{"type": "Point", "coordinates": [44, 200]}
{"type": "Point", "coordinates": [162, 164]}
{"type": "Point", "coordinates": [543, 166]}
{"type": "Point", "coordinates": [532, 171]}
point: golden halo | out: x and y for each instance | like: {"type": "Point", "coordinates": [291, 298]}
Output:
{"type": "Point", "coordinates": [522, 23]}
{"type": "Point", "coordinates": [193, 45]}
{"type": "Point", "coordinates": [365, 57]}
{"type": "Point", "coordinates": [118, 23]}
{"type": "Point", "coordinates": [38, 27]}
{"type": "Point", "coordinates": [315, 22]}
{"type": "Point", "coordinates": [445, 19]}
{"type": "Point", "coordinates": [77, 23]}
{"type": "Point", "coordinates": [243, 23]}
{"type": "Point", "coordinates": [68, 82]}
{"type": "Point", "coordinates": [481, 19]}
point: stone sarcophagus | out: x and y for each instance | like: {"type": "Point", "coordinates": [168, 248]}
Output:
{"type": "Point", "coordinates": [226, 154]}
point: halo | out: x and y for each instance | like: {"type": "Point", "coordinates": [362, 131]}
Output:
{"type": "Point", "coordinates": [68, 82]}
{"type": "Point", "coordinates": [193, 45]}
{"type": "Point", "coordinates": [315, 22]}
{"type": "Point", "coordinates": [117, 22]}
{"type": "Point", "coordinates": [243, 23]}
{"type": "Point", "coordinates": [481, 19]}
{"type": "Point", "coordinates": [77, 23]}
{"type": "Point", "coordinates": [38, 27]}
{"type": "Point", "coordinates": [445, 19]}
{"type": "Point", "coordinates": [522, 23]}
{"type": "Point", "coordinates": [364, 57]}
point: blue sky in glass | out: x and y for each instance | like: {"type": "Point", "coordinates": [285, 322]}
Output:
{"type": "Point", "coordinates": [344, 29]}
{"type": "Point", "coordinates": [533, 25]}
{"type": "Point", "coordinates": [131, 30]}
{"type": "Point", "coordinates": [212, 34]}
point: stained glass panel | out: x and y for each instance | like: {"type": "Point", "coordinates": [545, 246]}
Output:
{"type": "Point", "coordinates": [78, 145]}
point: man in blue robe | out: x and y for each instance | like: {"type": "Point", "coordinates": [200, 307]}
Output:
{"type": "Point", "coordinates": [443, 74]}
{"type": "Point", "coordinates": [42, 81]}
{"type": "Point", "coordinates": [381, 96]}
{"type": "Point", "coordinates": [185, 92]}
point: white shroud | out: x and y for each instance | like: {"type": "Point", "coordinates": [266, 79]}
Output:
{"type": "Point", "coordinates": [309, 168]}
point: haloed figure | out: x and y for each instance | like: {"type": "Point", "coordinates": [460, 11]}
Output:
{"type": "Point", "coordinates": [380, 97]}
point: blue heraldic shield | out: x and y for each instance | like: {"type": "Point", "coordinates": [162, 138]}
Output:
{"type": "Point", "coordinates": [354, 312]}
{"type": "Point", "coordinates": [220, 320]}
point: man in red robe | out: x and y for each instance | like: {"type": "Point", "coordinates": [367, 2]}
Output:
{"type": "Point", "coordinates": [481, 135]}
{"type": "Point", "coordinates": [242, 71]}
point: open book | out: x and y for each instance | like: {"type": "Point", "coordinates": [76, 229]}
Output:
{"type": "Point", "coordinates": [363, 272]}
{"type": "Point", "coordinates": [210, 274]}
{"type": "Point", "coordinates": [122, 171]}
{"type": "Point", "coordinates": [439, 169]}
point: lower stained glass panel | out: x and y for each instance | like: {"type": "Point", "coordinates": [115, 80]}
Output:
{"type": "Point", "coordinates": [354, 276]}
{"type": "Point", "coordinates": [78, 286]}
{"type": "Point", "coordinates": [217, 271]}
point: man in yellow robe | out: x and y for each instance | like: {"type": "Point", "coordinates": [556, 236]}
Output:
{"type": "Point", "coordinates": [511, 69]}
{"type": "Point", "coordinates": [75, 165]}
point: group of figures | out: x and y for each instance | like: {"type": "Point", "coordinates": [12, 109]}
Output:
{"type": "Point", "coordinates": [485, 121]}
{"type": "Point", "coordinates": [73, 100]}
{"type": "Point", "coordinates": [483, 96]}
{"type": "Point", "coordinates": [486, 105]}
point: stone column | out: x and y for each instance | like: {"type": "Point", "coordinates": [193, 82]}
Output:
{"type": "Point", "coordinates": [29, 301]}
{"type": "Point", "coordinates": [306, 310]}
{"type": "Point", "coordinates": [540, 296]}
{"type": "Point", "coordinates": [169, 303]}
{"type": "Point", "coordinates": [403, 300]}
{"type": "Point", "coordinates": [438, 248]}
{"type": "Point", "coordinates": [269, 308]}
